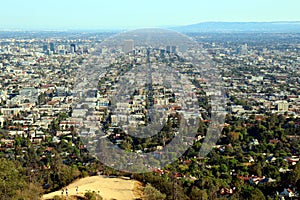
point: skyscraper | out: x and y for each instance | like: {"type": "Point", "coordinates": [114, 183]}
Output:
{"type": "Point", "coordinates": [174, 49]}
{"type": "Point", "coordinates": [45, 47]}
{"type": "Point", "coordinates": [73, 48]}
{"type": "Point", "coordinates": [171, 49]}
{"type": "Point", "coordinates": [128, 46]}
{"type": "Point", "coordinates": [168, 49]}
{"type": "Point", "coordinates": [244, 49]}
{"type": "Point", "coordinates": [52, 47]}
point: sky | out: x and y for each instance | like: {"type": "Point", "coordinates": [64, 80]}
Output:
{"type": "Point", "coordinates": [119, 14]}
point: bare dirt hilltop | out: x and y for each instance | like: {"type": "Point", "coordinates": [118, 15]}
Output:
{"type": "Point", "coordinates": [108, 187]}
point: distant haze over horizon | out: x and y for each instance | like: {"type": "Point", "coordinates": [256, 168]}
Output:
{"type": "Point", "coordinates": [276, 26]}
{"type": "Point", "coordinates": [133, 14]}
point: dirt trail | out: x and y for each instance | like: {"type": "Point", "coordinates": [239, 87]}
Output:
{"type": "Point", "coordinates": [108, 188]}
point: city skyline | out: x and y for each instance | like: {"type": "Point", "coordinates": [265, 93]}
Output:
{"type": "Point", "coordinates": [191, 109]}
{"type": "Point", "coordinates": [117, 14]}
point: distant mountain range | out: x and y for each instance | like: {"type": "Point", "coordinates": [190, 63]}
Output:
{"type": "Point", "coordinates": [272, 27]}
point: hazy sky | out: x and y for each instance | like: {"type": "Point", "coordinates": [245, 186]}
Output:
{"type": "Point", "coordinates": [103, 14]}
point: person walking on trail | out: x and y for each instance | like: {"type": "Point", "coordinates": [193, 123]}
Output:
{"type": "Point", "coordinates": [62, 192]}
{"type": "Point", "coordinates": [76, 189]}
{"type": "Point", "coordinates": [67, 191]}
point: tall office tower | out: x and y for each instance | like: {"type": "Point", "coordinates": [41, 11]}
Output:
{"type": "Point", "coordinates": [73, 48]}
{"type": "Point", "coordinates": [45, 47]}
{"type": "Point", "coordinates": [244, 49]}
{"type": "Point", "coordinates": [128, 46]}
{"type": "Point", "coordinates": [282, 106]}
{"type": "Point", "coordinates": [52, 47]}
{"type": "Point", "coordinates": [168, 49]}
{"type": "Point", "coordinates": [174, 49]}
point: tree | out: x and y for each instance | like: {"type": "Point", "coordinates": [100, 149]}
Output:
{"type": "Point", "coordinates": [151, 193]}
{"type": "Point", "coordinates": [256, 169]}
{"type": "Point", "coordinates": [295, 175]}
{"type": "Point", "coordinates": [31, 191]}
{"type": "Point", "coordinates": [250, 192]}
{"type": "Point", "coordinates": [197, 194]}
{"type": "Point", "coordinates": [233, 136]}
{"type": "Point", "coordinates": [13, 184]}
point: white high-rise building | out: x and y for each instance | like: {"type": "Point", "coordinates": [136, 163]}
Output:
{"type": "Point", "coordinates": [282, 106]}
{"type": "Point", "coordinates": [244, 49]}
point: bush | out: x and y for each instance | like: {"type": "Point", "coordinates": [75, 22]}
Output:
{"type": "Point", "coordinates": [56, 197]}
{"type": "Point", "coordinates": [151, 193]}
{"type": "Point", "coordinates": [92, 196]}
